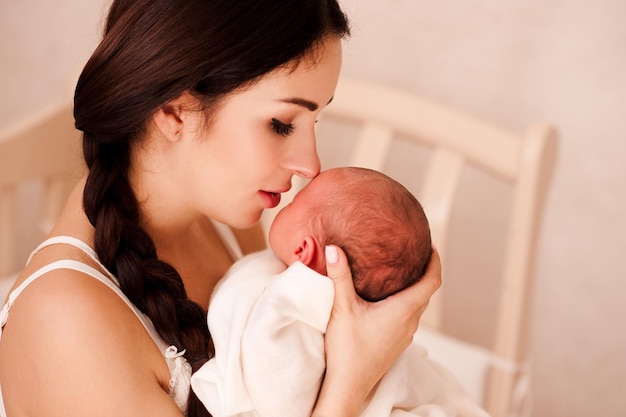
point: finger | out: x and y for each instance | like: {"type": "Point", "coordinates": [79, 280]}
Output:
{"type": "Point", "coordinates": [338, 270]}
{"type": "Point", "coordinates": [433, 272]}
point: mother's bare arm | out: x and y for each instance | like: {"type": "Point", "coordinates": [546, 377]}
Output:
{"type": "Point", "coordinates": [364, 339]}
{"type": "Point", "coordinates": [71, 347]}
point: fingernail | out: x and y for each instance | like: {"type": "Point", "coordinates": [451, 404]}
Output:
{"type": "Point", "coordinates": [331, 254]}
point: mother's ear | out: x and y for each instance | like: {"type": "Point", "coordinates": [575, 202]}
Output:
{"type": "Point", "coordinates": [170, 118]}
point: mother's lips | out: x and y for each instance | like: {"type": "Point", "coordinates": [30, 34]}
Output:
{"type": "Point", "coordinates": [270, 199]}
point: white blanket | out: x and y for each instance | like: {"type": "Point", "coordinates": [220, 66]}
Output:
{"type": "Point", "coordinates": [268, 326]}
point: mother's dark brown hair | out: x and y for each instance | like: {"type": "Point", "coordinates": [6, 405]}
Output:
{"type": "Point", "coordinates": [151, 52]}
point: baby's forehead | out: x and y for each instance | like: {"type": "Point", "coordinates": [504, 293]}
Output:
{"type": "Point", "coordinates": [323, 178]}
{"type": "Point", "coordinates": [327, 185]}
{"type": "Point", "coordinates": [332, 174]}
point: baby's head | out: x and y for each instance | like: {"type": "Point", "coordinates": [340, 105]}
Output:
{"type": "Point", "coordinates": [377, 222]}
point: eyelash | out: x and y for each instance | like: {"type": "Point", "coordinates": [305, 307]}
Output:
{"type": "Point", "coordinates": [283, 129]}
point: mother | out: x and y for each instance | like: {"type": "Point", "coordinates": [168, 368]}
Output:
{"type": "Point", "coordinates": [193, 112]}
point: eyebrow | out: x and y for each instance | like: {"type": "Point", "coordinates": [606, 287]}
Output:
{"type": "Point", "coordinates": [307, 104]}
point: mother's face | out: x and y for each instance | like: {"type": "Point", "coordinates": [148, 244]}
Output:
{"type": "Point", "coordinates": [258, 139]}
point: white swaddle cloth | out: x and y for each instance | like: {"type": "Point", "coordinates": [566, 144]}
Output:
{"type": "Point", "coordinates": [268, 326]}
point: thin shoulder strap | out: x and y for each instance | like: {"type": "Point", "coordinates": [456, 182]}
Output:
{"type": "Point", "coordinates": [109, 279]}
{"type": "Point", "coordinates": [80, 267]}
{"type": "Point", "coordinates": [77, 243]}
{"type": "Point", "coordinates": [62, 264]}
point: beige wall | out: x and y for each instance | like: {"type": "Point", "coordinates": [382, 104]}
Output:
{"type": "Point", "coordinates": [512, 62]}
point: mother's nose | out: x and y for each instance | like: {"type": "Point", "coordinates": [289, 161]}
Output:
{"type": "Point", "coordinates": [303, 159]}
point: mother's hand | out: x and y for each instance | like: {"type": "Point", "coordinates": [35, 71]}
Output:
{"type": "Point", "coordinates": [364, 339]}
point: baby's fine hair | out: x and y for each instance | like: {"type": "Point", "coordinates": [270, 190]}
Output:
{"type": "Point", "coordinates": [381, 227]}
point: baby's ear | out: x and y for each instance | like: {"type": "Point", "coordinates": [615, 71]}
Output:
{"type": "Point", "coordinates": [307, 251]}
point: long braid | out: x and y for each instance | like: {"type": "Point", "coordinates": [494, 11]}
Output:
{"type": "Point", "coordinates": [124, 248]}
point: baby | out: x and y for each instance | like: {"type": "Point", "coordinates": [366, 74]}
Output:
{"type": "Point", "coordinates": [269, 314]}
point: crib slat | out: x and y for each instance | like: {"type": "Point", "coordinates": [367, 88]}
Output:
{"type": "Point", "coordinates": [372, 147]}
{"type": "Point", "coordinates": [439, 188]}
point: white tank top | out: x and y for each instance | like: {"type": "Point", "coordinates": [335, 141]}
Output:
{"type": "Point", "coordinates": [180, 370]}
